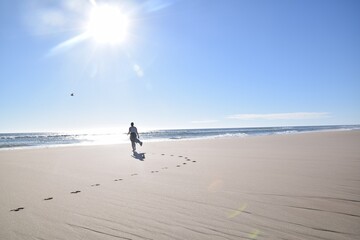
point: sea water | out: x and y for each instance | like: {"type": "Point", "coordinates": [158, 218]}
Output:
{"type": "Point", "coordinates": [53, 139]}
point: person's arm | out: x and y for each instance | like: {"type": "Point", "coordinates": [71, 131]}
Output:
{"type": "Point", "coordinates": [137, 133]}
{"type": "Point", "coordinates": [128, 132]}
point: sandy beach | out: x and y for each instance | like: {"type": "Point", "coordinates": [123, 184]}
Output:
{"type": "Point", "coordinates": [299, 186]}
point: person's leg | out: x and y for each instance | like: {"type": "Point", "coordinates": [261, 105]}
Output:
{"type": "Point", "coordinates": [133, 145]}
{"type": "Point", "coordinates": [138, 141]}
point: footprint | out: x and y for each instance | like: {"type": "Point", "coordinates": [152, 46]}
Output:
{"type": "Point", "coordinates": [120, 179]}
{"type": "Point", "coordinates": [47, 199]}
{"type": "Point", "coordinates": [75, 192]}
{"type": "Point", "coordinates": [134, 174]}
{"type": "Point", "coordinates": [184, 163]}
{"type": "Point", "coordinates": [165, 168]}
{"type": "Point", "coordinates": [177, 165]}
{"type": "Point", "coordinates": [171, 155]}
{"type": "Point", "coordinates": [180, 156]}
{"type": "Point", "coordinates": [162, 154]}
{"type": "Point", "coordinates": [17, 209]}
{"type": "Point", "coordinates": [95, 185]}
{"type": "Point", "coordinates": [188, 159]}
{"type": "Point", "coordinates": [154, 171]}
{"type": "Point", "coordinates": [193, 161]}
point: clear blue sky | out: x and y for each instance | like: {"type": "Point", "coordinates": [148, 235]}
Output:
{"type": "Point", "coordinates": [182, 64]}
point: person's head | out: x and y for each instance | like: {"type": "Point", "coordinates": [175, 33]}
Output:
{"type": "Point", "coordinates": [132, 124]}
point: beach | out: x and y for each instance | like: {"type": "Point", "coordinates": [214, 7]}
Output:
{"type": "Point", "coordinates": [291, 186]}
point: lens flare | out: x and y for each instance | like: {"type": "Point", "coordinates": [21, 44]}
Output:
{"type": "Point", "coordinates": [238, 211]}
{"type": "Point", "coordinates": [254, 234]}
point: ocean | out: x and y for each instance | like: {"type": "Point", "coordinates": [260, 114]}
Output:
{"type": "Point", "coordinates": [53, 139]}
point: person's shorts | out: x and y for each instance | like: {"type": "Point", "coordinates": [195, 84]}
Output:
{"type": "Point", "coordinates": [133, 137]}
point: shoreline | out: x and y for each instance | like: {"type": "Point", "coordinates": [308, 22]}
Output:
{"type": "Point", "coordinates": [165, 140]}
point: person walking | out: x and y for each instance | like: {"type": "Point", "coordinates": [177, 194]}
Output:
{"type": "Point", "coordinates": [134, 137]}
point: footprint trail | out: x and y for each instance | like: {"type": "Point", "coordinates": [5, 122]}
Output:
{"type": "Point", "coordinates": [188, 160]}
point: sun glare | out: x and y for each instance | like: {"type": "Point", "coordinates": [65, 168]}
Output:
{"type": "Point", "coordinates": [107, 24]}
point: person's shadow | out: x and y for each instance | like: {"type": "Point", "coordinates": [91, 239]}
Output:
{"type": "Point", "coordinates": [138, 156]}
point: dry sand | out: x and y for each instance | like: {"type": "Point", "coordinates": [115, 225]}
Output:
{"type": "Point", "coordinates": [303, 186]}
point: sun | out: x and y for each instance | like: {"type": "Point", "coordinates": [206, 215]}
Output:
{"type": "Point", "coordinates": [107, 24]}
